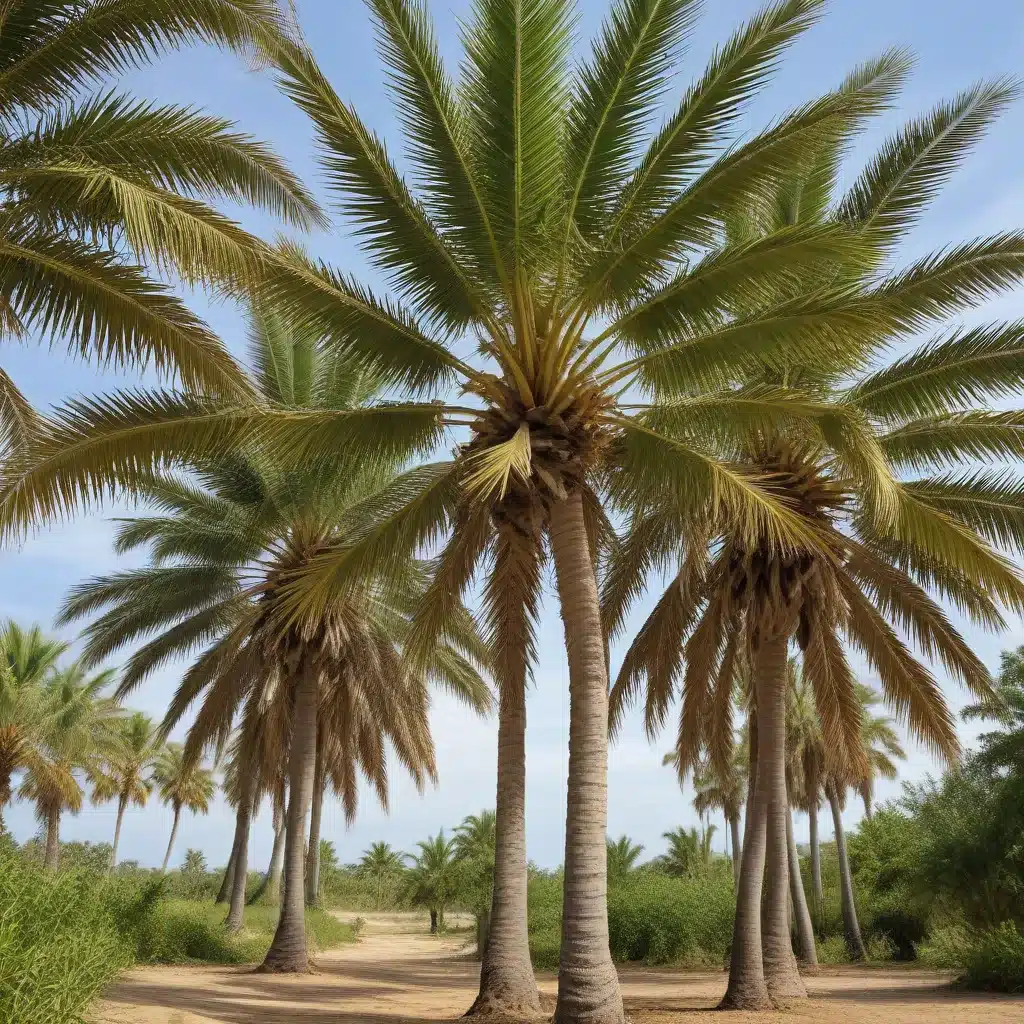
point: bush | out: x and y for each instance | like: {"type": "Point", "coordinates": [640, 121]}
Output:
{"type": "Point", "coordinates": [58, 944]}
{"type": "Point", "coordinates": [881, 949]}
{"type": "Point", "coordinates": [904, 929]}
{"type": "Point", "coordinates": [947, 948]}
{"type": "Point", "coordinates": [995, 962]}
{"type": "Point", "coordinates": [833, 950]}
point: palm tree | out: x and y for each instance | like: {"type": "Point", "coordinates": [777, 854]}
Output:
{"type": "Point", "coordinates": [270, 886]}
{"type": "Point", "coordinates": [725, 791]}
{"type": "Point", "coordinates": [126, 772]}
{"type": "Point", "coordinates": [381, 863]}
{"type": "Point", "coordinates": [583, 276]}
{"type": "Point", "coordinates": [432, 877]}
{"type": "Point", "coordinates": [78, 726]}
{"type": "Point", "coordinates": [224, 545]}
{"type": "Point", "coordinates": [689, 851]}
{"type": "Point", "coordinates": [473, 847]}
{"type": "Point", "coordinates": [97, 185]}
{"type": "Point", "coordinates": [183, 787]}
{"type": "Point", "coordinates": [194, 863]}
{"type": "Point", "coordinates": [28, 657]}
{"type": "Point", "coordinates": [623, 854]}
{"type": "Point", "coordinates": [879, 744]}
{"type": "Point", "coordinates": [897, 525]}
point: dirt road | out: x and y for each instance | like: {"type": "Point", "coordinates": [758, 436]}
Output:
{"type": "Point", "coordinates": [397, 974]}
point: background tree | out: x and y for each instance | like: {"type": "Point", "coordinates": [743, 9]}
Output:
{"type": "Point", "coordinates": [183, 787]}
{"type": "Point", "coordinates": [725, 791]}
{"type": "Point", "coordinates": [125, 773]}
{"type": "Point", "coordinates": [881, 745]}
{"type": "Point", "coordinates": [433, 878]}
{"type": "Point", "coordinates": [623, 854]}
{"type": "Point", "coordinates": [78, 725]}
{"type": "Point", "coordinates": [689, 852]}
{"type": "Point", "coordinates": [473, 846]}
{"type": "Point", "coordinates": [28, 656]}
{"type": "Point", "coordinates": [383, 865]}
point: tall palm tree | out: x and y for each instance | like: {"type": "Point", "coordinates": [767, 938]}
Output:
{"type": "Point", "coordinates": [382, 864]}
{"type": "Point", "coordinates": [79, 723]}
{"type": "Point", "coordinates": [623, 854]}
{"type": "Point", "coordinates": [125, 773]}
{"type": "Point", "coordinates": [881, 745]}
{"type": "Point", "coordinates": [27, 658]}
{"type": "Point", "coordinates": [182, 786]}
{"type": "Point", "coordinates": [432, 877]}
{"type": "Point", "coordinates": [589, 267]}
{"type": "Point", "coordinates": [97, 185]}
{"type": "Point", "coordinates": [893, 521]}
{"type": "Point", "coordinates": [224, 545]}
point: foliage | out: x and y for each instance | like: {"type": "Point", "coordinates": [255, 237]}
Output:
{"type": "Point", "coordinates": [58, 944]}
{"type": "Point", "coordinates": [433, 877]}
{"type": "Point", "coordinates": [947, 948]}
{"type": "Point", "coordinates": [623, 854]}
{"type": "Point", "coordinates": [473, 844]}
{"type": "Point", "coordinates": [996, 961]}
{"type": "Point", "coordinates": [833, 950]}
{"type": "Point", "coordinates": [689, 852]}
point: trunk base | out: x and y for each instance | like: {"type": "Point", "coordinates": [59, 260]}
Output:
{"type": "Point", "coordinates": [285, 965]}
{"type": "Point", "coordinates": [510, 991]}
{"type": "Point", "coordinates": [746, 997]}
{"type": "Point", "coordinates": [785, 985]}
{"type": "Point", "coordinates": [578, 1005]}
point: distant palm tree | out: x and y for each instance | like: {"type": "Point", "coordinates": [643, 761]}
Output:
{"type": "Point", "coordinates": [432, 877]}
{"type": "Point", "coordinates": [689, 851]}
{"type": "Point", "coordinates": [881, 746]}
{"type": "Point", "coordinates": [26, 658]}
{"type": "Point", "coordinates": [183, 786]}
{"type": "Point", "coordinates": [474, 844]}
{"type": "Point", "coordinates": [725, 790]}
{"type": "Point", "coordinates": [382, 864]}
{"type": "Point", "coordinates": [623, 854]}
{"type": "Point", "coordinates": [79, 723]}
{"type": "Point", "coordinates": [194, 863]}
{"type": "Point", "coordinates": [126, 771]}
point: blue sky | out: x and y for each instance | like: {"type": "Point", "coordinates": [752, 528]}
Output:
{"type": "Point", "coordinates": [955, 43]}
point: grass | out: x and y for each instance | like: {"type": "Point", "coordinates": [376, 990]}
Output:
{"type": "Point", "coordinates": [179, 931]}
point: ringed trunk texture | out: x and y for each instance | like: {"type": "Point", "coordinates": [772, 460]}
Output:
{"type": "Point", "coordinates": [507, 984]}
{"type": "Point", "coordinates": [747, 989]}
{"type": "Point", "coordinates": [851, 926]}
{"type": "Point", "coordinates": [170, 842]}
{"type": "Point", "coordinates": [588, 986]}
{"type": "Point", "coordinates": [737, 850]}
{"type": "Point", "coordinates": [52, 860]}
{"type": "Point", "coordinates": [315, 819]}
{"type": "Point", "coordinates": [236, 911]}
{"type": "Point", "coordinates": [288, 950]}
{"type": "Point", "coordinates": [271, 884]}
{"type": "Point", "coordinates": [818, 894]}
{"type": "Point", "coordinates": [801, 914]}
{"type": "Point", "coordinates": [122, 804]}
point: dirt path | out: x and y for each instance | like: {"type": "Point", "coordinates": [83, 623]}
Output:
{"type": "Point", "coordinates": [398, 974]}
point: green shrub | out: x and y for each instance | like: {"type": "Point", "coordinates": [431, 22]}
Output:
{"type": "Point", "coordinates": [881, 949]}
{"type": "Point", "coordinates": [544, 895]}
{"type": "Point", "coordinates": [946, 949]}
{"type": "Point", "coordinates": [903, 928]}
{"type": "Point", "coordinates": [833, 950]}
{"type": "Point", "coordinates": [995, 962]}
{"type": "Point", "coordinates": [58, 944]}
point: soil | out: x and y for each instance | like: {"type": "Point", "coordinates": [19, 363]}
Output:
{"type": "Point", "coordinates": [399, 974]}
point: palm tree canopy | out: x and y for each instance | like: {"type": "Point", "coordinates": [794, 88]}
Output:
{"type": "Point", "coordinates": [689, 851]}
{"type": "Point", "coordinates": [98, 185]}
{"type": "Point", "coordinates": [587, 266]}
{"type": "Point", "coordinates": [623, 854]}
{"type": "Point", "coordinates": [381, 861]}
{"type": "Point", "coordinates": [433, 874]}
{"type": "Point", "coordinates": [474, 837]}
{"type": "Point", "coordinates": [183, 786]}
{"type": "Point", "coordinates": [896, 523]}
{"type": "Point", "coordinates": [126, 770]}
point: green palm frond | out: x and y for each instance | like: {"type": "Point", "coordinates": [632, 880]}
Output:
{"type": "Point", "coordinates": [953, 438]}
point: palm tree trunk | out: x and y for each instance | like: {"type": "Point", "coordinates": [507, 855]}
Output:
{"type": "Point", "coordinates": [433, 922]}
{"type": "Point", "coordinates": [271, 884]}
{"type": "Point", "coordinates": [52, 860]}
{"type": "Point", "coordinates": [818, 893]}
{"type": "Point", "coordinates": [315, 818]}
{"type": "Point", "coordinates": [170, 842]}
{"type": "Point", "coordinates": [747, 989]}
{"type": "Point", "coordinates": [236, 911]}
{"type": "Point", "coordinates": [122, 804]}
{"type": "Point", "coordinates": [804, 928]}
{"type": "Point", "coordinates": [588, 986]}
{"type": "Point", "coordinates": [507, 984]}
{"type": "Point", "coordinates": [288, 950]}
{"type": "Point", "coordinates": [851, 926]}
{"type": "Point", "coordinates": [737, 850]}
{"type": "Point", "coordinates": [227, 885]}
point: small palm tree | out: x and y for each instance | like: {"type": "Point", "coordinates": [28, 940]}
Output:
{"type": "Point", "coordinates": [689, 851]}
{"type": "Point", "coordinates": [725, 790]}
{"type": "Point", "coordinates": [433, 878]}
{"type": "Point", "coordinates": [881, 745]}
{"type": "Point", "coordinates": [194, 862]}
{"type": "Point", "coordinates": [182, 786]}
{"type": "Point", "coordinates": [1003, 748]}
{"type": "Point", "coordinates": [79, 723]}
{"type": "Point", "coordinates": [623, 854]}
{"type": "Point", "coordinates": [382, 864]}
{"type": "Point", "coordinates": [27, 658]}
{"type": "Point", "coordinates": [125, 773]}
{"type": "Point", "coordinates": [473, 845]}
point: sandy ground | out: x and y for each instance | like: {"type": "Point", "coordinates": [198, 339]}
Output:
{"type": "Point", "coordinates": [397, 974]}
